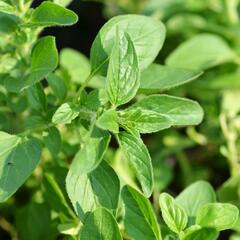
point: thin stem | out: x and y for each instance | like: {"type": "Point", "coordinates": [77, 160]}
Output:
{"type": "Point", "coordinates": [231, 7]}
{"type": "Point", "coordinates": [231, 139]}
{"type": "Point", "coordinates": [84, 85]}
{"type": "Point", "coordinates": [185, 167]}
{"type": "Point", "coordinates": [156, 203]}
{"type": "Point", "coordinates": [90, 76]}
{"type": "Point", "coordinates": [8, 227]}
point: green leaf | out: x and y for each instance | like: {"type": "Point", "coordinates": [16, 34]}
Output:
{"type": "Point", "coordinates": [162, 78]}
{"type": "Point", "coordinates": [37, 98]}
{"type": "Point", "coordinates": [52, 140]}
{"type": "Point", "coordinates": [6, 8]}
{"type": "Point", "coordinates": [18, 159]}
{"type": "Point", "coordinates": [76, 64]}
{"type": "Point", "coordinates": [62, 2]}
{"type": "Point", "coordinates": [223, 81]}
{"type": "Point", "coordinates": [195, 196]}
{"type": "Point", "coordinates": [78, 67]}
{"type": "Point", "coordinates": [49, 14]}
{"type": "Point", "coordinates": [55, 197]}
{"type": "Point", "coordinates": [146, 33]}
{"type": "Point", "coordinates": [69, 229]}
{"type": "Point", "coordinates": [174, 215]}
{"type": "Point", "coordinates": [139, 220]}
{"type": "Point", "coordinates": [65, 114]}
{"type": "Point", "coordinates": [44, 59]}
{"type": "Point", "coordinates": [91, 153]}
{"type": "Point", "coordinates": [137, 154]}
{"type": "Point", "coordinates": [57, 85]}
{"type": "Point", "coordinates": [202, 233]}
{"type": "Point", "coordinates": [123, 76]}
{"type": "Point", "coordinates": [95, 99]}
{"type": "Point", "coordinates": [229, 191]}
{"type": "Point", "coordinates": [203, 51]}
{"type": "Point", "coordinates": [7, 25]}
{"type": "Point", "coordinates": [100, 187]}
{"type": "Point", "coordinates": [220, 216]}
{"type": "Point", "coordinates": [34, 222]}
{"type": "Point", "coordinates": [145, 121]}
{"type": "Point", "coordinates": [34, 121]}
{"type": "Point", "coordinates": [181, 111]}
{"type": "Point", "coordinates": [109, 121]}
{"type": "Point", "coordinates": [100, 224]}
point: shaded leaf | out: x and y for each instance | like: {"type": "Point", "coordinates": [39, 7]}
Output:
{"type": "Point", "coordinates": [52, 140]}
{"type": "Point", "coordinates": [161, 78]}
{"type": "Point", "coordinates": [140, 220]}
{"type": "Point", "coordinates": [34, 222]}
{"type": "Point", "coordinates": [202, 233]}
{"type": "Point", "coordinates": [57, 85]}
{"type": "Point", "coordinates": [100, 224]}
{"type": "Point", "coordinates": [195, 196]}
{"type": "Point", "coordinates": [137, 154]}
{"type": "Point", "coordinates": [91, 153]}
{"type": "Point", "coordinates": [203, 51]}
{"type": "Point", "coordinates": [18, 159]}
{"type": "Point", "coordinates": [100, 187]}
{"type": "Point", "coordinates": [55, 197]}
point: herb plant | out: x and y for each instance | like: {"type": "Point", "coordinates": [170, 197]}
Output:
{"type": "Point", "coordinates": [74, 135]}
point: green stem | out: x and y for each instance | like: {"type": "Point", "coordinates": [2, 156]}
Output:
{"type": "Point", "coordinates": [156, 203]}
{"type": "Point", "coordinates": [90, 76]}
{"type": "Point", "coordinates": [8, 227]}
{"type": "Point", "coordinates": [232, 13]}
{"type": "Point", "coordinates": [185, 167]}
{"type": "Point", "coordinates": [84, 85]}
{"type": "Point", "coordinates": [231, 139]}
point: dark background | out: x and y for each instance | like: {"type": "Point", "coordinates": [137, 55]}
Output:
{"type": "Point", "coordinates": [81, 35]}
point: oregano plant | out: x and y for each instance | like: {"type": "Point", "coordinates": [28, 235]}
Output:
{"type": "Point", "coordinates": [70, 128]}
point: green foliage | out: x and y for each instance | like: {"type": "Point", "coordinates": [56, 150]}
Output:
{"type": "Point", "coordinates": [137, 154]}
{"type": "Point", "coordinates": [65, 113]}
{"type": "Point", "coordinates": [201, 52]}
{"type": "Point", "coordinates": [122, 80]}
{"type": "Point", "coordinates": [181, 111]}
{"type": "Point", "coordinates": [161, 78]}
{"type": "Point", "coordinates": [138, 207]}
{"type": "Point", "coordinates": [72, 128]}
{"type": "Point", "coordinates": [203, 218]}
{"type": "Point", "coordinates": [202, 191]}
{"type": "Point", "coordinates": [218, 215]}
{"type": "Point", "coordinates": [174, 216]}
{"type": "Point", "coordinates": [50, 14]}
{"type": "Point", "coordinates": [147, 40]}
{"type": "Point", "coordinates": [19, 158]}
{"type": "Point", "coordinates": [100, 224]}
{"type": "Point", "coordinates": [98, 188]}
{"type": "Point", "coordinates": [202, 233]}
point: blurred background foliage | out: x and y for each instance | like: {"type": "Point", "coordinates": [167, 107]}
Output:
{"type": "Point", "coordinates": [210, 151]}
